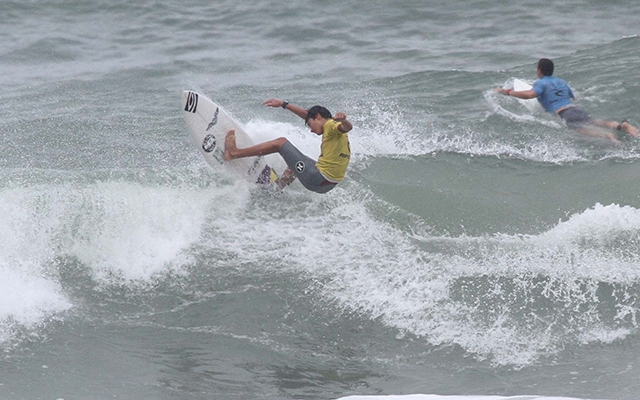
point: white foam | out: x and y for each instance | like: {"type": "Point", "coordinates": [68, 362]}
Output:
{"type": "Point", "coordinates": [414, 283]}
{"type": "Point", "coordinates": [28, 295]}
{"type": "Point", "coordinates": [131, 230]}
{"type": "Point", "coordinates": [26, 299]}
{"type": "Point", "coordinates": [380, 131]}
{"type": "Point", "coordinates": [598, 224]}
{"type": "Point", "coordinates": [299, 135]}
{"type": "Point", "coordinates": [388, 132]}
{"type": "Point", "coordinates": [122, 230]}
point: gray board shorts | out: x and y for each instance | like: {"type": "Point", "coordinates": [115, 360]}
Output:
{"type": "Point", "coordinates": [574, 117]}
{"type": "Point", "coordinates": [305, 169]}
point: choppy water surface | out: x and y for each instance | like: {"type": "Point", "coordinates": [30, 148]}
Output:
{"type": "Point", "coordinates": [475, 248]}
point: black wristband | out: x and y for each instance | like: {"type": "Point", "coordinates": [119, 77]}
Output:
{"type": "Point", "coordinates": [284, 104]}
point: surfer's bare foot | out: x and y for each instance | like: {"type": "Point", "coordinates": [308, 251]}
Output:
{"type": "Point", "coordinates": [230, 145]}
{"type": "Point", "coordinates": [630, 129]}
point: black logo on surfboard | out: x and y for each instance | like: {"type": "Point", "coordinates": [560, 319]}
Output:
{"type": "Point", "coordinates": [192, 102]}
{"type": "Point", "coordinates": [209, 143]}
{"type": "Point", "coordinates": [214, 121]}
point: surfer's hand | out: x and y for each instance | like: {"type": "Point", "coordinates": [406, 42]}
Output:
{"type": "Point", "coordinates": [274, 103]}
{"type": "Point", "coordinates": [345, 126]}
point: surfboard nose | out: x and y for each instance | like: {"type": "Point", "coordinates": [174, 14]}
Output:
{"type": "Point", "coordinates": [191, 103]}
{"type": "Point", "coordinates": [185, 98]}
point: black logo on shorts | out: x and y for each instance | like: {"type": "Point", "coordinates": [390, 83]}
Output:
{"type": "Point", "coordinates": [214, 121]}
{"type": "Point", "coordinates": [300, 167]}
{"type": "Point", "coordinates": [209, 143]}
{"type": "Point", "coordinates": [192, 102]}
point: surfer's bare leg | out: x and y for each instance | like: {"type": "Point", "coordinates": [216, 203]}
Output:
{"type": "Point", "coordinates": [231, 151]}
{"type": "Point", "coordinates": [593, 131]}
{"type": "Point", "coordinates": [286, 178]}
{"type": "Point", "coordinates": [624, 126]}
{"type": "Point", "coordinates": [604, 124]}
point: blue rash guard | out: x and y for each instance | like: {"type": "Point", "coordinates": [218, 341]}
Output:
{"type": "Point", "coordinates": [553, 93]}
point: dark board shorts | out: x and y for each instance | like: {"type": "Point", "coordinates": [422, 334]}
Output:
{"type": "Point", "coordinates": [574, 117]}
{"type": "Point", "coordinates": [305, 169]}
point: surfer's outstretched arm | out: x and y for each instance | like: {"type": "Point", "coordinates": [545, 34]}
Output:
{"type": "Point", "coordinates": [299, 111]}
{"type": "Point", "coordinates": [521, 94]}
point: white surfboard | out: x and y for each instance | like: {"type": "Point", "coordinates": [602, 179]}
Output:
{"type": "Point", "coordinates": [531, 104]}
{"type": "Point", "coordinates": [208, 124]}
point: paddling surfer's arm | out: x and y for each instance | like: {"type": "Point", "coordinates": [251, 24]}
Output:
{"type": "Point", "coordinates": [299, 111]}
{"type": "Point", "coordinates": [521, 94]}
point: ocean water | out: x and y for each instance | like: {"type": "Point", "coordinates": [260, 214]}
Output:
{"type": "Point", "coordinates": [476, 248]}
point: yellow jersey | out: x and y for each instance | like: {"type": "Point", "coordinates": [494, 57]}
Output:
{"type": "Point", "coordinates": [334, 152]}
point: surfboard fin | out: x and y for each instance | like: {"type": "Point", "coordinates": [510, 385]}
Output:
{"type": "Point", "coordinates": [267, 176]}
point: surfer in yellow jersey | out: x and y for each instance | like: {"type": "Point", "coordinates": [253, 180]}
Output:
{"type": "Point", "coordinates": [318, 176]}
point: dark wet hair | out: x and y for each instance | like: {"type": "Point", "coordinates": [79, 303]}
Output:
{"type": "Point", "coordinates": [315, 111]}
{"type": "Point", "coordinates": [545, 66]}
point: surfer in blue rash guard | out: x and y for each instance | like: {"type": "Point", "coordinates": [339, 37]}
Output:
{"type": "Point", "coordinates": [335, 153]}
{"type": "Point", "coordinates": [555, 96]}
